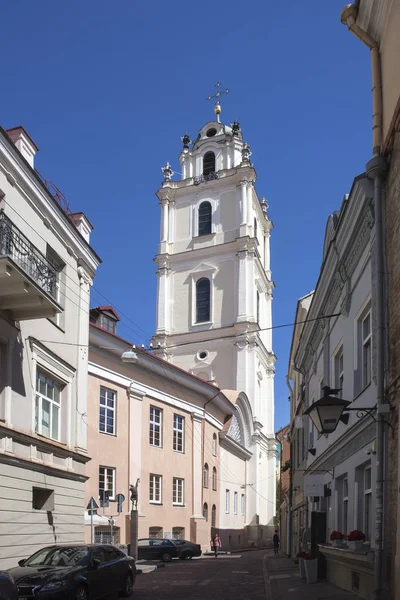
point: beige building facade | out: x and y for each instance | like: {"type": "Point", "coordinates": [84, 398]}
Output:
{"type": "Point", "coordinates": [182, 437]}
{"type": "Point", "coordinates": [46, 269]}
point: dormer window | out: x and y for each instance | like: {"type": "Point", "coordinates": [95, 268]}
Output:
{"type": "Point", "coordinates": [105, 317]}
{"type": "Point", "coordinates": [107, 323]}
{"type": "Point", "coordinates": [205, 218]}
{"type": "Point", "coordinates": [208, 163]}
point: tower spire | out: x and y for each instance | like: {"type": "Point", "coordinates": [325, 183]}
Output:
{"type": "Point", "coordinates": [217, 95]}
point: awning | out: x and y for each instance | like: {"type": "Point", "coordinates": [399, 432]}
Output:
{"type": "Point", "coordinates": [97, 520]}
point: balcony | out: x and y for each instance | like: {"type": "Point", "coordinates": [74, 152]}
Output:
{"type": "Point", "coordinates": [28, 281]}
{"type": "Point", "coordinates": [208, 177]}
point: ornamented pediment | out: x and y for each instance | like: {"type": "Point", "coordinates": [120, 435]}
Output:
{"type": "Point", "coordinates": [204, 268]}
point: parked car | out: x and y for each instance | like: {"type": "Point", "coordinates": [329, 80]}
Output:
{"type": "Point", "coordinates": [187, 549]}
{"type": "Point", "coordinates": [156, 549]}
{"type": "Point", "coordinates": [8, 589]}
{"type": "Point", "coordinates": [78, 572]}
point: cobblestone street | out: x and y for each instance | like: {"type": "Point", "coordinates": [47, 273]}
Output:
{"type": "Point", "coordinates": [225, 578]}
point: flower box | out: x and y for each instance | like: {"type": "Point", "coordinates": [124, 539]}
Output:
{"type": "Point", "coordinates": [355, 545]}
{"type": "Point", "coordinates": [337, 543]}
{"type": "Point", "coordinates": [311, 566]}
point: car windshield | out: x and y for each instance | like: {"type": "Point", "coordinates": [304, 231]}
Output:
{"type": "Point", "coordinates": [58, 557]}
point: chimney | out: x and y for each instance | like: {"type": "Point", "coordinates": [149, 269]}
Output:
{"type": "Point", "coordinates": [82, 224]}
{"type": "Point", "coordinates": [24, 143]}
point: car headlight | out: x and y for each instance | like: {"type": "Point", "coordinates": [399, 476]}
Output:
{"type": "Point", "coordinates": [55, 585]}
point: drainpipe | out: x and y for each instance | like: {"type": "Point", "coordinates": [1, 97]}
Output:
{"type": "Point", "coordinates": [375, 170]}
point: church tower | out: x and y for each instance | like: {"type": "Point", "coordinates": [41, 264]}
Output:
{"type": "Point", "coordinates": [214, 279]}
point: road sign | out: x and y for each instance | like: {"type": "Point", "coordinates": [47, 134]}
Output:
{"type": "Point", "coordinates": [92, 504]}
{"type": "Point", "coordinates": [119, 498]}
{"type": "Point", "coordinates": [104, 498]}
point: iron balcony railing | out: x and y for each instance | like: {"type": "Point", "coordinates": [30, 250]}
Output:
{"type": "Point", "coordinates": [14, 245]}
{"type": "Point", "coordinates": [208, 177]}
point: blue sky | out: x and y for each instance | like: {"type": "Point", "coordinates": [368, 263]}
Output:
{"type": "Point", "coordinates": [106, 90]}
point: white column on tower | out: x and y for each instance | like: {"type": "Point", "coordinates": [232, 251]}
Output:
{"type": "Point", "coordinates": [162, 298]}
{"type": "Point", "coordinates": [242, 286]}
{"type": "Point", "coordinates": [243, 202]}
{"type": "Point", "coordinates": [164, 220]}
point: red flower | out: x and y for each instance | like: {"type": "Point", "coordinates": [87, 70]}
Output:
{"type": "Point", "coordinates": [336, 535]}
{"type": "Point", "coordinates": [309, 556]}
{"type": "Point", "coordinates": [356, 535]}
{"type": "Point", "coordinates": [301, 555]}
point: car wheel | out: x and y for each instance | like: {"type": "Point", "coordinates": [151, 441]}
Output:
{"type": "Point", "coordinates": [81, 593]}
{"type": "Point", "coordinates": [128, 587]}
{"type": "Point", "coordinates": [188, 554]}
{"type": "Point", "coordinates": [166, 557]}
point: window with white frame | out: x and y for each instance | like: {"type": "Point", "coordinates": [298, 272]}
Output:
{"type": "Point", "coordinates": [339, 368]}
{"type": "Point", "coordinates": [205, 475]}
{"type": "Point", "coordinates": [156, 533]}
{"type": "Point", "coordinates": [368, 502]}
{"type": "Point", "coordinates": [227, 501]}
{"type": "Point", "coordinates": [205, 218]}
{"type": "Point", "coordinates": [178, 491]}
{"type": "Point", "coordinates": [107, 411]}
{"type": "Point", "coordinates": [155, 484]}
{"type": "Point", "coordinates": [366, 349]}
{"type": "Point", "coordinates": [214, 444]}
{"type": "Point", "coordinates": [155, 434]}
{"type": "Point", "coordinates": [203, 300]}
{"type": "Point", "coordinates": [214, 479]}
{"type": "Point", "coordinates": [345, 505]}
{"type": "Point", "coordinates": [242, 504]}
{"type": "Point", "coordinates": [57, 287]}
{"type": "Point", "coordinates": [179, 433]}
{"type": "Point", "coordinates": [108, 324]}
{"type": "Point", "coordinates": [47, 406]}
{"type": "Point", "coordinates": [107, 481]}
{"type": "Point", "coordinates": [235, 503]}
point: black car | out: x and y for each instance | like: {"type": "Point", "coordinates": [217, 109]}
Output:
{"type": "Point", "coordinates": [155, 549]}
{"type": "Point", "coordinates": [78, 572]}
{"type": "Point", "coordinates": [187, 549]}
{"type": "Point", "coordinates": [8, 589]}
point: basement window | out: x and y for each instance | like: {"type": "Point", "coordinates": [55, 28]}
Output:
{"type": "Point", "coordinates": [42, 499]}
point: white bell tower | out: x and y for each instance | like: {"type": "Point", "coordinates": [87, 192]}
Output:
{"type": "Point", "coordinates": [214, 282]}
{"type": "Point", "coordinates": [214, 278]}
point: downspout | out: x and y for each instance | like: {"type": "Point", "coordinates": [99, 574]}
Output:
{"type": "Point", "coordinates": [375, 170]}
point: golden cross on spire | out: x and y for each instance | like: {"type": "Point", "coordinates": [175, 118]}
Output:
{"type": "Point", "coordinates": [218, 93]}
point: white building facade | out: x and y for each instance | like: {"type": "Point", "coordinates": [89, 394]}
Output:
{"type": "Point", "coordinates": [46, 269]}
{"type": "Point", "coordinates": [214, 301]}
{"type": "Point", "coordinates": [336, 348]}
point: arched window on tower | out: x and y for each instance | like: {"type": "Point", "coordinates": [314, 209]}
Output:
{"type": "Point", "coordinates": [214, 479]}
{"type": "Point", "coordinates": [213, 515]}
{"type": "Point", "coordinates": [208, 163]}
{"type": "Point", "coordinates": [214, 444]}
{"type": "Point", "coordinates": [205, 476]}
{"type": "Point", "coordinates": [205, 511]}
{"type": "Point", "coordinates": [205, 212]}
{"type": "Point", "coordinates": [202, 300]}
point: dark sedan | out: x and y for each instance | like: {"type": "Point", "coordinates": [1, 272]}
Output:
{"type": "Point", "coordinates": [155, 549]}
{"type": "Point", "coordinates": [74, 573]}
{"type": "Point", "coordinates": [187, 549]}
{"type": "Point", "coordinates": [8, 589]}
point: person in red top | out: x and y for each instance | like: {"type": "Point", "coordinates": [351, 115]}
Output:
{"type": "Point", "coordinates": [216, 544]}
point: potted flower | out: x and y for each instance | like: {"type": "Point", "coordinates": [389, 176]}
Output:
{"type": "Point", "coordinates": [311, 566]}
{"type": "Point", "coordinates": [356, 539]}
{"type": "Point", "coordinates": [337, 538]}
{"type": "Point", "coordinates": [301, 556]}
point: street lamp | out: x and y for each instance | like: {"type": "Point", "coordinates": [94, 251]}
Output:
{"type": "Point", "coordinates": [326, 412]}
{"type": "Point", "coordinates": [130, 356]}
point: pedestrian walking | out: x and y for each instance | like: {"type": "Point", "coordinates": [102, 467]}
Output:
{"type": "Point", "coordinates": [216, 544]}
{"type": "Point", "coordinates": [275, 539]}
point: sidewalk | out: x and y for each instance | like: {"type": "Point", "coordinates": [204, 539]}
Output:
{"type": "Point", "coordinates": [282, 582]}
